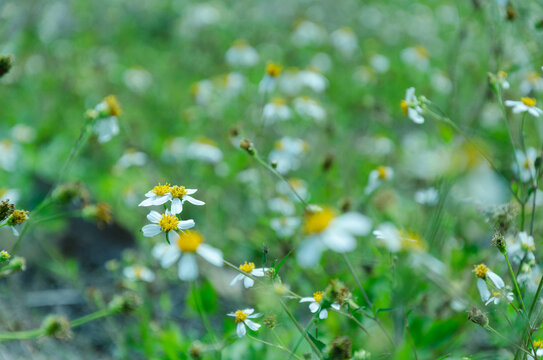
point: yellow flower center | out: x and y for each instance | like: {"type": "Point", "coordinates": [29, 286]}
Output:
{"type": "Point", "coordinates": [528, 101]}
{"type": "Point", "coordinates": [168, 222]}
{"type": "Point", "coordinates": [538, 344]}
{"type": "Point", "coordinates": [318, 296]}
{"type": "Point", "coordinates": [278, 101]}
{"type": "Point", "coordinates": [189, 241]}
{"type": "Point", "coordinates": [404, 106]}
{"type": "Point", "coordinates": [241, 316]}
{"type": "Point", "coordinates": [178, 191]}
{"type": "Point", "coordinates": [527, 164]}
{"type": "Point", "coordinates": [422, 51]}
{"type": "Point", "coordinates": [247, 267]}
{"type": "Point", "coordinates": [494, 293]}
{"type": "Point", "coordinates": [480, 270]}
{"type": "Point", "coordinates": [411, 241]}
{"type": "Point", "coordinates": [240, 44]}
{"type": "Point", "coordinates": [317, 221]}
{"type": "Point", "coordinates": [533, 77]}
{"type": "Point", "coordinates": [207, 141]}
{"type": "Point", "coordinates": [502, 74]}
{"type": "Point", "coordinates": [273, 69]}
{"type": "Point", "coordinates": [383, 173]}
{"type": "Point", "coordinates": [138, 270]}
{"type": "Point", "coordinates": [162, 190]}
{"type": "Point", "coordinates": [113, 105]}
{"type": "Point", "coordinates": [18, 217]}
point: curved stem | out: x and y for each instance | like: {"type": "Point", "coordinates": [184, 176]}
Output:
{"type": "Point", "coordinates": [280, 347]}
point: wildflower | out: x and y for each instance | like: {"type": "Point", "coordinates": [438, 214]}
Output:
{"type": "Point", "coordinates": [58, 326]}
{"type": "Point", "coordinates": [184, 248]}
{"type": "Point", "coordinates": [307, 107]}
{"type": "Point", "coordinates": [106, 128]}
{"type": "Point", "coordinates": [316, 304]}
{"type": "Point", "coordinates": [138, 272]}
{"type": "Point", "coordinates": [285, 226]}
{"type": "Point", "coordinates": [538, 347]}
{"type": "Point", "coordinates": [483, 273]}
{"type": "Point", "coordinates": [345, 41]}
{"type": "Point", "coordinates": [393, 239]}
{"type": "Point", "coordinates": [417, 56]}
{"type": "Point", "coordinates": [380, 63]}
{"type": "Point", "coordinates": [125, 303]}
{"type": "Point", "coordinates": [167, 223]}
{"type": "Point", "coordinates": [8, 155]}
{"type": "Point", "coordinates": [325, 230]}
{"type": "Point", "coordinates": [132, 157]}
{"type": "Point", "coordinates": [176, 194]}
{"type": "Point", "coordinates": [526, 162]}
{"type": "Point", "coordinates": [101, 213]}
{"type": "Point", "coordinates": [313, 79]}
{"type": "Point", "coordinates": [501, 78]}
{"type": "Point", "coordinates": [308, 33]}
{"type": "Point", "coordinates": [526, 104]}
{"type": "Point", "coordinates": [523, 247]}
{"type": "Point", "coordinates": [268, 82]}
{"type": "Point", "coordinates": [250, 269]}
{"type": "Point", "coordinates": [377, 177]}
{"type": "Point", "coordinates": [243, 318]}
{"type": "Point", "coordinates": [137, 79]}
{"type": "Point", "coordinates": [287, 153]}
{"type": "Point", "coordinates": [532, 82]}
{"type": "Point", "coordinates": [202, 91]}
{"type": "Point", "coordinates": [17, 218]}
{"type": "Point", "coordinates": [6, 209]}
{"type": "Point", "coordinates": [428, 196]}
{"type": "Point", "coordinates": [276, 109]}
{"type": "Point", "coordinates": [23, 133]}
{"type": "Point", "coordinates": [411, 106]}
{"type": "Point", "coordinates": [478, 317]}
{"type": "Point", "coordinates": [205, 150]}
{"type": "Point", "coordinates": [4, 256]}
{"type": "Point", "coordinates": [241, 54]}
{"type": "Point", "coordinates": [498, 296]}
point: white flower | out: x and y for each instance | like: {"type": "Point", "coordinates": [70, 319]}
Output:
{"type": "Point", "coordinates": [315, 304]}
{"type": "Point", "coordinates": [285, 226]}
{"type": "Point", "coordinates": [9, 194]}
{"type": "Point", "coordinates": [202, 91]}
{"type": "Point", "coordinates": [483, 273]}
{"type": "Point", "coordinates": [132, 158]}
{"type": "Point", "coordinates": [188, 243]}
{"type": "Point", "coordinates": [138, 272]}
{"type": "Point", "coordinates": [377, 177]}
{"type": "Point", "coordinates": [389, 235]}
{"type": "Point", "coordinates": [498, 296]}
{"type": "Point", "coordinates": [288, 153]}
{"type": "Point", "coordinates": [282, 204]}
{"type": "Point", "coordinates": [268, 82]}
{"type": "Point", "coordinates": [242, 318]}
{"type": "Point", "coordinates": [241, 54]}
{"type": "Point", "coordinates": [308, 107]}
{"type": "Point", "coordinates": [106, 128]}
{"type": "Point", "coordinates": [313, 80]}
{"type": "Point", "coordinates": [380, 63]}
{"type": "Point", "coordinates": [326, 231]}
{"type": "Point", "coordinates": [276, 109]}
{"type": "Point", "coordinates": [167, 223]}
{"type": "Point", "coordinates": [522, 248]}
{"type": "Point", "coordinates": [161, 194]}
{"type": "Point", "coordinates": [532, 82]}
{"type": "Point", "coordinates": [205, 150]}
{"type": "Point", "coordinates": [308, 33]}
{"type": "Point", "coordinates": [345, 41]}
{"type": "Point", "coordinates": [137, 79]}
{"type": "Point", "coordinates": [416, 56]}
{"type": "Point", "coordinates": [411, 106]}
{"type": "Point", "coordinates": [525, 104]}
{"type": "Point", "coordinates": [526, 163]}
{"type": "Point", "coordinates": [428, 196]}
{"type": "Point", "coordinates": [250, 269]}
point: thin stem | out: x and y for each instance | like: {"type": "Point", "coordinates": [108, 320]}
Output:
{"type": "Point", "coordinates": [91, 317]}
{"type": "Point", "coordinates": [300, 329]}
{"type": "Point", "coordinates": [489, 328]}
{"type": "Point", "coordinates": [280, 347]}
{"type": "Point", "coordinates": [514, 279]}
{"type": "Point", "coordinates": [355, 320]}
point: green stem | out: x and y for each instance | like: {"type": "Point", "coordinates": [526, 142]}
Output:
{"type": "Point", "coordinates": [514, 279]}
{"type": "Point", "coordinates": [301, 330]}
{"type": "Point", "coordinates": [280, 347]}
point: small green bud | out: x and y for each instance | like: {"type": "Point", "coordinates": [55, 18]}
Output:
{"type": "Point", "coordinates": [270, 321]}
{"type": "Point", "coordinates": [247, 145]}
{"type": "Point", "coordinates": [340, 348]}
{"type": "Point", "coordinates": [4, 256]}
{"type": "Point", "coordinates": [6, 209]}
{"type": "Point", "coordinates": [125, 303]}
{"type": "Point", "coordinates": [478, 317]}
{"type": "Point", "coordinates": [499, 241]}
{"type": "Point", "coordinates": [57, 326]}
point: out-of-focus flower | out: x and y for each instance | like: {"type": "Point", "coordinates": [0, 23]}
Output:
{"type": "Point", "coordinates": [324, 230]}
{"type": "Point", "coordinates": [201, 15]}
{"type": "Point", "coordinates": [8, 155]}
{"type": "Point", "coordinates": [106, 128]}
{"type": "Point", "coordinates": [345, 41]}
{"type": "Point", "coordinates": [411, 106]}
{"type": "Point", "coordinates": [321, 61]}
{"type": "Point", "coordinates": [380, 63]}
{"type": "Point", "coordinates": [526, 104]}
{"type": "Point", "coordinates": [105, 114]}
{"type": "Point", "coordinates": [243, 318]}
{"type": "Point", "coordinates": [428, 196]}
{"type": "Point", "coordinates": [416, 56]}
{"type": "Point", "coordinates": [202, 91]}
{"type": "Point", "coordinates": [483, 274]}
{"type": "Point", "coordinates": [132, 157]}
{"type": "Point", "coordinates": [308, 33]}
{"type": "Point", "coordinates": [441, 82]}
{"type": "Point", "coordinates": [23, 133]}
{"type": "Point", "coordinates": [138, 272]}
{"type": "Point", "coordinates": [250, 269]}
{"type": "Point", "coordinates": [522, 248]}
{"type": "Point", "coordinates": [378, 177]}
{"type": "Point", "coordinates": [188, 243]}
{"type": "Point", "coordinates": [526, 163]}
{"type": "Point", "coordinates": [268, 82]}
{"type": "Point", "coordinates": [16, 220]}
{"type": "Point", "coordinates": [307, 107]}
{"type": "Point", "coordinates": [137, 79]}
{"type": "Point", "coordinates": [287, 154]}
{"type": "Point", "coordinates": [241, 54]}
{"type": "Point", "coordinates": [282, 205]}
{"type": "Point", "coordinates": [315, 304]}
{"type": "Point", "coordinates": [9, 194]}
{"type": "Point", "coordinates": [313, 79]}
{"type": "Point", "coordinates": [501, 77]}
{"type": "Point", "coordinates": [276, 109]}
{"type": "Point", "coordinates": [290, 82]}
{"type": "Point", "coordinates": [285, 226]}
{"type": "Point", "coordinates": [395, 240]}
{"type": "Point", "coordinates": [166, 223]}
{"type": "Point", "coordinates": [231, 84]}
{"type": "Point", "coordinates": [532, 82]}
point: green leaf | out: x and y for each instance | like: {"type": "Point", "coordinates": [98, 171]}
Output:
{"type": "Point", "coordinates": [278, 267]}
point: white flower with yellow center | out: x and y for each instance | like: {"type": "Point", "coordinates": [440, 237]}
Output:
{"type": "Point", "coordinates": [395, 240]}
{"type": "Point", "coordinates": [417, 56]}
{"type": "Point", "coordinates": [276, 109]}
{"type": "Point", "coordinates": [428, 196]}
{"type": "Point", "coordinates": [411, 106]}
{"type": "Point", "coordinates": [167, 223]}
{"type": "Point", "coordinates": [157, 196]}
{"type": "Point", "coordinates": [313, 79]}
{"type": "Point", "coordinates": [498, 296]}
{"type": "Point", "coordinates": [250, 269]}
{"type": "Point", "coordinates": [526, 162]}
{"type": "Point", "coordinates": [241, 54]}
{"type": "Point", "coordinates": [345, 41]}
{"type": "Point", "coordinates": [378, 177]}
{"type": "Point", "coordinates": [138, 272]}
{"type": "Point", "coordinates": [526, 104]}
{"type": "Point", "coordinates": [8, 155]}
{"type": "Point", "coordinates": [176, 194]}
{"type": "Point", "coordinates": [522, 248]}
{"type": "Point", "coordinates": [285, 226]}
{"type": "Point", "coordinates": [483, 274]}
{"type": "Point", "coordinates": [243, 318]}
{"type": "Point", "coordinates": [538, 347]}
{"type": "Point", "coordinates": [268, 82]}
{"type": "Point", "coordinates": [288, 153]}
{"type": "Point", "coordinates": [310, 108]}
{"type": "Point", "coordinates": [325, 230]}
{"type": "Point", "coordinates": [315, 302]}
{"type": "Point", "coordinates": [205, 150]}
{"type": "Point", "coordinates": [308, 33]}
{"type": "Point", "coordinates": [184, 248]}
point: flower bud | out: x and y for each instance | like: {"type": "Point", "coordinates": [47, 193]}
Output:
{"type": "Point", "coordinates": [57, 326]}
{"type": "Point", "coordinates": [4, 256]}
{"type": "Point", "coordinates": [6, 209]}
{"type": "Point", "coordinates": [340, 348]}
{"type": "Point", "coordinates": [478, 317]}
{"type": "Point", "coordinates": [499, 241]}
{"type": "Point", "coordinates": [270, 321]}
{"type": "Point", "coordinates": [125, 303]}
{"type": "Point", "coordinates": [18, 217]}
{"type": "Point", "coordinates": [247, 145]}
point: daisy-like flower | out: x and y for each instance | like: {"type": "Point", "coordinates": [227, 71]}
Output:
{"type": "Point", "coordinates": [176, 194]}
{"type": "Point", "coordinates": [243, 318]}
{"type": "Point", "coordinates": [276, 109]}
{"type": "Point", "coordinates": [189, 243]}
{"type": "Point", "coordinates": [250, 269]}
{"type": "Point", "coordinates": [538, 347]}
{"type": "Point", "coordinates": [501, 76]}
{"type": "Point", "coordinates": [241, 54]}
{"type": "Point", "coordinates": [526, 104]}
{"type": "Point", "coordinates": [345, 41]}
{"type": "Point", "coordinates": [307, 107]}
{"type": "Point", "coordinates": [524, 246]}
{"type": "Point", "coordinates": [202, 91]}
{"type": "Point", "coordinates": [417, 56]}
{"type": "Point", "coordinates": [308, 33]}
{"type": "Point", "coordinates": [483, 274]}
{"type": "Point", "coordinates": [285, 226]}
{"type": "Point", "coordinates": [315, 304]}
{"type": "Point", "coordinates": [16, 220]}
{"type": "Point", "coordinates": [288, 153]}
{"type": "Point", "coordinates": [167, 223]}
{"type": "Point", "coordinates": [313, 79]}
{"type": "Point", "coordinates": [377, 177]}
{"type": "Point", "coordinates": [411, 106]}
{"type": "Point", "coordinates": [498, 296]}
{"type": "Point", "coordinates": [132, 157]}
{"type": "Point", "coordinates": [428, 196]}
{"type": "Point", "coordinates": [268, 82]}
{"type": "Point", "coordinates": [527, 164]}
{"type": "Point", "coordinates": [395, 240]}
{"type": "Point", "coordinates": [138, 272]}
{"type": "Point", "coordinates": [8, 155]}
{"type": "Point", "coordinates": [105, 113]}
{"type": "Point", "coordinates": [205, 150]}
{"type": "Point", "coordinates": [325, 230]}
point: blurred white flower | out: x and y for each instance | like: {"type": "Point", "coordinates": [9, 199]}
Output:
{"type": "Point", "coordinates": [138, 272]}
{"type": "Point", "coordinates": [202, 91]}
{"type": "Point", "coordinates": [441, 82]}
{"type": "Point", "coordinates": [525, 104]}
{"type": "Point", "coordinates": [205, 150]}
{"type": "Point", "coordinates": [232, 84]}
{"type": "Point", "coordinates": [416, 56]}
{"type": "Point", "coordinates": [411, 106]}
{"type": "Point", "coordinates": [315, 304]}
{"type": "Point", "coordinates": [285, 226]}
{"type": "Point", "coordinates": [389, 236]}
{"type": "Point", "coordinates": [483, 274]}
{"type": "Point", "coordinates": [308, 107]}
{"type": "Point", "coordinates": [137, 79]}
{"type": "Point", "coordinates": [308, 33]}
{"type": "Point", "coordinates": [288, 153]}
{"type": "Point", "coordinates": [276, 109]}
{"type": "Point", "coordinates": [184, 248]}
{"type": "Point", "coordinates": [290, 82]}
{"type": "Point", "coordinates": [345, 41]}
{"type": "Point", "coordinates": [268, 82]}
{"type": "Point", "coordinates": [313, 79]}
{"type": "Point", "coordinates": [297, 184]}
{"type": "Point", "coordinates": [242, 318]}
{"type": "Point", "coordinates": [378, 177]}
{"type": "Point", "coordinates": [532, 82]}
{"type": "Point", "coordinates": [166, 223]}
{"type": "Point", "coordinates": [23, 133]}
{"type": "Point", "coordinates": [9, 194]}
{"type": "Point", "coordinates": [8, 155]}
{"type": "Point", "coordinates": [428, 196]}
{"type": "Point", "coordinates": [522, 248]}
{"type": "Point", "coordinates": [250, 269]}
{"type": "Point", "coordinates": [322, 62]}
{"type": "Point", "coordinates": [241, 54]}
{"type": "Point", "coordinates": [526, 163]}
{"type": "Point", "coordinates": [324, 230]}
{"type": "Point", "coordinates": [201, 15]}
{"type": "Point", "coordinates": [106, 128]}
{"type": "Point", "coordinates": [282, 205]}
{"type": "Point", "coordinates": [132, 157]}
{"type": "Point", "coordinates": [380, 63]}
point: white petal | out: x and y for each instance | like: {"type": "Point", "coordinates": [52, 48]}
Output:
{"type": "Point", "coordinates": [154, 217]}
{"type": "Point", "coordinates": [188, 268]}
{"type": "Point", "coordinates": [353, 222]}
{"type": "Point", "coordinates": [177, 206]}
{"type": "Point", "coordinates": [309, 252]}
{"type": "Point", "coordinates": [170, 256]}
{"type": "Point", "coordinates": [314, 307]}
{"type": "Point", "coordinates": [173, 236]}
{"type": "Point", "coordinates": [240, 330]}
{"type": "Point", "coordinates": [323, 314]}
{"type": "Point", "coordinates": [339, 241]}
{"type": "Point", "coordinates": [483, 289]}
{"type": "Point", "coordinates": [150, 194]}
{"type": "Point", "coordinates": [190, 191]}
{"type": "Point", "coordinates": [335, 306]}
{"type": "Point", "coordinates": [237, 278]}
{"type": "Point", "coordinates": [248, 311]}
{"type": "Point", "coordinates": [248, 282]}
{"type": "Point", "coordinates": [496, 280]}
{"type": "Point", "coordinates": [193, 201]}
{"type": "Point", "coordinates": [252, 325]}
{"type": "Point", "coordinates": [211, 254]}
{"type": "Point", "coordinates": [159, 250]}
{"type": "Point", "coordinates": [307, 299]}
{"type": "Point", "coordinates": [147, 202]}
{"type": "Point", "coordinates": [151, 230]}
{"type": "Point", "coordinates": [259, 272]}
{"type": "Point", "coordinates": [162, 199]}
{"type": "Point", "coordinates": [185, 224]}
